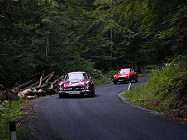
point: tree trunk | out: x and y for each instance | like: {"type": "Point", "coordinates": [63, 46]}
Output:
{"type": "Point", "coordinates": [47, 46]}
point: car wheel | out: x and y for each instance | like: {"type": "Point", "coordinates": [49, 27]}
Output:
{"type": "Point", "coordinates": [60, 95]}
{"type": "Point", "coordinates": [92, 94]}
{"type": "Point", "coordinates": [115, 82]}
{"type": "Point", "coordinates": [136, 79]}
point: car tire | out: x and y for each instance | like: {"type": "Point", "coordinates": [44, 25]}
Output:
{"type": "Point", "coordinates": [92, 94]}
{"type": "Point", "coordinates": [60, 96]}
{"type": "Point", "coordinates": [136, 79]}
{"type": "Point", "coordinates": [115, 82]}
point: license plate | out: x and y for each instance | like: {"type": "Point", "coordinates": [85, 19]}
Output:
{"type": "Point", "coordinates": [74, 92]}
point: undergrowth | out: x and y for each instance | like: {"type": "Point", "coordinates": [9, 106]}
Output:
{"type": "Point", "coordinates": [165, 91]}
{"type": "Point", "coordinates": [100, 77]}
{"type": "Point", "coordinates": [10, 111]}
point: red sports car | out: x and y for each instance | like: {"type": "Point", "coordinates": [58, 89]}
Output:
{"type": "Point", "coordinates": [76, 83]}
{"type": "Point", "coordinates": [126, 74]}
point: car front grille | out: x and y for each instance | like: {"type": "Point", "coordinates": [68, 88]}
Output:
{"type": "Point", "coordinates": [122, 79]}
{"type": "Point", "coordinates": [76, 88]}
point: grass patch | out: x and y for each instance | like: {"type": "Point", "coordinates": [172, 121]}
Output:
{"type": "Point", "coordinates": [22, 133]}
{"type": "Point", "coordinates": [165, 91]}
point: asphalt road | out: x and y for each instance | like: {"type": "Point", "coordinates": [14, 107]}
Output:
{"type": "Point", "coordinates": [103, 117]}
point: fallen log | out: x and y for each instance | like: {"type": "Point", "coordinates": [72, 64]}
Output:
{"type": "Point", "coordinates": [57, 80]}
{"type": "Point", "coordinates": [36, 83]}
{"type": "Point", "coordinates": [44, 88]}
{"type": "Point", "coordinates": [24, 93]}
{"type": "Point", "coordinates": [41, 89]}
{"type": "Point", "coordinates": [46, 83]}
{"type": "Point", "coordinates": [23, 85]}
{"type": "Point", "coordinates": [52, 74]}
{"type": "Point", "coordinates": [40, 82]}
{"type": "Point", "coordinates": [31, 97]}
{"type": "Point", "coordinates": [10, 94]}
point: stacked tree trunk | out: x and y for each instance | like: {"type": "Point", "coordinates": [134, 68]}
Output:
{"type": "Point", "coordinates": [32, 88]}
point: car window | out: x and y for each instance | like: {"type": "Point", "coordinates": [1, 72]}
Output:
{"type": "Point", "coordinates": [124, 70]}
{"type": "Point", "coordinates": [66, 77]}
{"type": "Point", "coordinates": [79, 76]}
{"type": "Point", "coordinates": [85, 76]}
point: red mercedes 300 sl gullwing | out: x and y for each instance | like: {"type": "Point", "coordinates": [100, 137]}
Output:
{"type": "Point", "coordinates": [76, 83]}
{"type": "Point", "coordinates": [126, 74]}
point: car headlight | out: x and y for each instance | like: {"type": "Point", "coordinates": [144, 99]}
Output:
{"type": "Point", "coordinates": [60, 87]}
{"type": "Point", "coordinates": [87, 85]}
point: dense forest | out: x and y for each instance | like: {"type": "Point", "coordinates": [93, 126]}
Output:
{"type": "Point", "coordinates": [88, 35]}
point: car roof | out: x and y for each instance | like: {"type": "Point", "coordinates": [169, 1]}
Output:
{"type": "Point", "coordinates": [77, 72]}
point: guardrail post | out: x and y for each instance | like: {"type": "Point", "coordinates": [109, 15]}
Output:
{"type": "Point", "coordinates": [12, 130]}
{"type": "Point", "coordinates": [129, 86]}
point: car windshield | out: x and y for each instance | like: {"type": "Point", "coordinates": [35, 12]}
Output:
{"type": "Point", "coordinates": [125, 71]}
{"type": "Point", "coordinates": [79, 76]}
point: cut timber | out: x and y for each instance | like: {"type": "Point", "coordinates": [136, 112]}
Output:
{"type": "Point", "coordinates": [23, 94]}
{"type": "Point", "coordinates": [36, 83]}
{"type": "Point", "coordinates": [40, 82]}
{"type": "Point", "coordinates": [46, 84]}
{"type": "Point", "coordinates": [24, 84]}
{"type": "Point", "coordinates": [31, 97]}
{"type": "Point", "coordinates": [10, 94]}
{"type": "Point", "coordinates": [41, 89]}
{"type": "Point", "coordinates": [57, 80]}
{"type": "Point", "coordinates": [51, 75]}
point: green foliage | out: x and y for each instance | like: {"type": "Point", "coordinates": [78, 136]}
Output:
{"type": "Point", "coordinates": [72, 35]}
{"type": "Point", "coordinates": [100, 77]}
{"type": "Point", "coordinates": [10, 111]}
{"type": "Point", "coordinates": [22, 133]}
{"type": "Point", "coordinates": [165, 90]}
{"type": "Point", "coordinates": [98, 37]}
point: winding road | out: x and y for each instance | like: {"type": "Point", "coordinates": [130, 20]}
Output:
{"type": "Point", "coordinates": [103, 117]}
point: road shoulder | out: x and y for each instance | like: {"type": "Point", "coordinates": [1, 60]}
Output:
{"type": "Point", "coordinates": [125, 100]}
